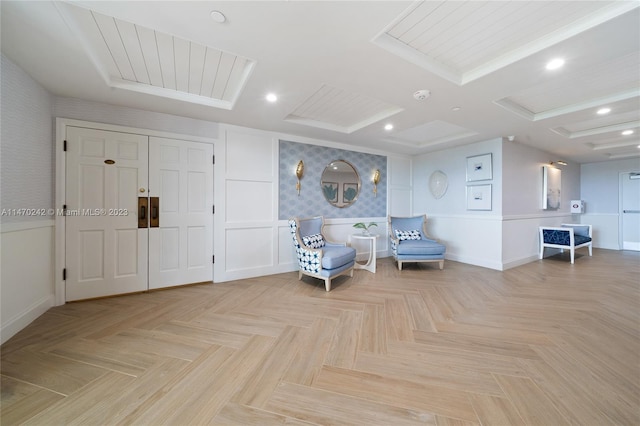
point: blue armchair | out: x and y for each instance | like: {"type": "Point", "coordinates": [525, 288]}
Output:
{"type": "Point", "coordinates": [411, 243]}
{"type": "Point", "coordinates": [318, 257]}
{"type": "Point", "coordinates": [567, 236]}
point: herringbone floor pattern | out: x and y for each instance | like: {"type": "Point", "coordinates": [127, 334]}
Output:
{"type": "Point", "coordinates": [547, 343]}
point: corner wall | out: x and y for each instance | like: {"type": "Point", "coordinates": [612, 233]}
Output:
{"type": "Point", "coordinates": [26, 247]}
{"type": "Point", "coordinates": [471, 236]}
{"type": "Point", "coordinates": [522, 202]}
{"type": "Point", "coordinates": [507, 235]}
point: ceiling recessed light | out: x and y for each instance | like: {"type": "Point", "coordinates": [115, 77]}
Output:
{"type": "Point", "coordinates": [603, 111]}
{"type": "Point", "coordinates": [456, 109]}
{"type": "Point", "coordinates": [627, 132]}
{"type": "Point", "coordinates": [271, 97]}
{"type": "Point", "coordinates": [388, 126]}
{"type": "Point", "coordinates": [218, 16]}
{"type": "Point", "coordinates": [554, 64]}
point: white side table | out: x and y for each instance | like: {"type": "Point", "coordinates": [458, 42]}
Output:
{"type": "Point", "coordinates": [371, 263]}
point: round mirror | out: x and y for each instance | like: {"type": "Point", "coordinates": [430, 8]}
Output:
{"type": "Point", "coordinates": [340, 183]}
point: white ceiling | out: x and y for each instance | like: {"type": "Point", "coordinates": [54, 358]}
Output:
{"type": "Point", "coordinates": [342, 70]}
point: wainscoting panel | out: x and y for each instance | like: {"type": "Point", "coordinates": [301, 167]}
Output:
{"type": "Point", "coordinates": [520, 237]}
{"type": "Point", "coordinates": [248, 248]}
{"type": "Point", "coordinates": [469, 239]}
{"type": "Point", "coordinates": [249, 156]}
{"type": "Point", "coordinates": [27, 274]}
{"type": "Point", "coordinates": [606, 229]}
{"type": "Point", "coordinates": [249, 201]}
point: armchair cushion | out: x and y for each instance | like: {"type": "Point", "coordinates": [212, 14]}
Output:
{"type": "Point", "coordinates": [314, 241]}
{"type": "Point", "coordinates": [420, 247]}
{"type": "Point", "coordinates": [410, 242]}
{"type": "Point", "coordinates": [318, 257]}
{"type": "Point", "coordinates": [407, 235]}
{"type": "Point", "coordinates": [334, 256]}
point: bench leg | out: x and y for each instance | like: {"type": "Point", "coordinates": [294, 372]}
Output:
{"type": "Point", "coordinates": [573, 254]}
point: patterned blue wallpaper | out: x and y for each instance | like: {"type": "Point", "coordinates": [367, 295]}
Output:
{"type": "Point", "coordinates": [311, 201]}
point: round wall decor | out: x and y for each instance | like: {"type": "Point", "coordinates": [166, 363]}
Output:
{"type": "Point", "coordinates": [438, 184]}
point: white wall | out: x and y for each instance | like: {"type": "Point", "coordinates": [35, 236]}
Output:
{"type": "Point", "coordinates": [600, 189]}
{"type": "Point", "coordinates": [253, 242]}
{"type": "Point", "coordinates": [471, 236]}
{"type": "Point", "coordinates": [26, 153]}
{"type": "Point", "coordinates": [400, 171]}
{"type": "Point", "coordinates": [522, 201]}
{"type": "Point", "coordinates": [506, 236]}
{"type": "Point", "coordinates": [249, 240]}
{"type": "Point", "coordinates": [27, 274]}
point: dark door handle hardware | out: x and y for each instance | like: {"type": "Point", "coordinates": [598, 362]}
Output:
{"type": "Point", "coordinates": [143, 203]}
{"type": "Point", "coordinates": [155, 212]}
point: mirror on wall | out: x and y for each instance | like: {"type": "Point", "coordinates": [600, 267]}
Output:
{"type": "Point", "coordinates": [340, 183]}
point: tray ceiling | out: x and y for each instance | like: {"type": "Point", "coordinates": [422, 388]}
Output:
{"type": "Point", "coordinates": [465, 40]}
{"type": "Point", "coordinates": [340, 110]}
{"type": "Point", "coordinates": [342, 71]}
{"type": "Point", "coordinates": [133, 57]}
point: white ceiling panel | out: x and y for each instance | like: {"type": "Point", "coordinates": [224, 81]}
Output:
{"type": "Point", "coordinates": [340, 110]}
{"type": "Point", "coordinates": [149, 47]}
{"type": "Point", "coordinates": [463, 41]}
{"type": "Point", "coordinates": [334, 82]}
{"type": "Point", "coordinates": [138, 58]}
{"type": "Point", "coordinates": [569, 89]}
{"type": "Point", "coordinates": [432, 133]}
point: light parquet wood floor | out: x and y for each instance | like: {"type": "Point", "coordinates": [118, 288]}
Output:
{"type": "Point", "coordinates": [547, 343]}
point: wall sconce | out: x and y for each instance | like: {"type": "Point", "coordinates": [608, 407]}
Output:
{"type": "Point", "coordinates": [376, 179]}
{"type": "Point", "coordinates": [299, 173]}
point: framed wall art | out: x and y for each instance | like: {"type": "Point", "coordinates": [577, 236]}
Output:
{"type": "Point", "coordinates": [479, 168]}
{"type": "Point", "coordinates": [551, 186]}
{"type": "Point", "coordinates": [330, 191]}
{"type": "Point", "coordinates": [349, 192]}
{"type": "Point", "coordinates": [479, 197]}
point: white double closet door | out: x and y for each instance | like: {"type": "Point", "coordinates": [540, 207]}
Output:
{"type": "Point", "coordinates": [139, 213]}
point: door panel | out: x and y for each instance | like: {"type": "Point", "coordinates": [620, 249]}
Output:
{"type": "Point", "coordinates": [630, 188]}
{"type": "Point", "coordinates": [106, 253]}
{"type": "Point", "coordinates": [181, 175]}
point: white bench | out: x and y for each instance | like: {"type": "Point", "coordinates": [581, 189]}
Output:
{"type": "Point", "coordinates": [567, 236]}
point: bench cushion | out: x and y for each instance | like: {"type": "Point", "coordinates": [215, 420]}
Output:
{"type": "Point", "coordinates": [562, 238]}
{"type": "Point", "coordinates": [580, 239]}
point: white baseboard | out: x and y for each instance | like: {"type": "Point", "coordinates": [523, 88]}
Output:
{"type": "Point", "coordinates": [20, 321]}
{"type": "Point", "coordinates": [472, 261]}
{"type": "Point", "coordinates": [518, 262]}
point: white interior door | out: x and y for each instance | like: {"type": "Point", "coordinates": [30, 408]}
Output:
{"type": "Point", "coordinates": [630, 201]}
{"type": "Point", "coordinates": [106, 253]}
{"type": "Point", "coordinates": [181, 247]}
